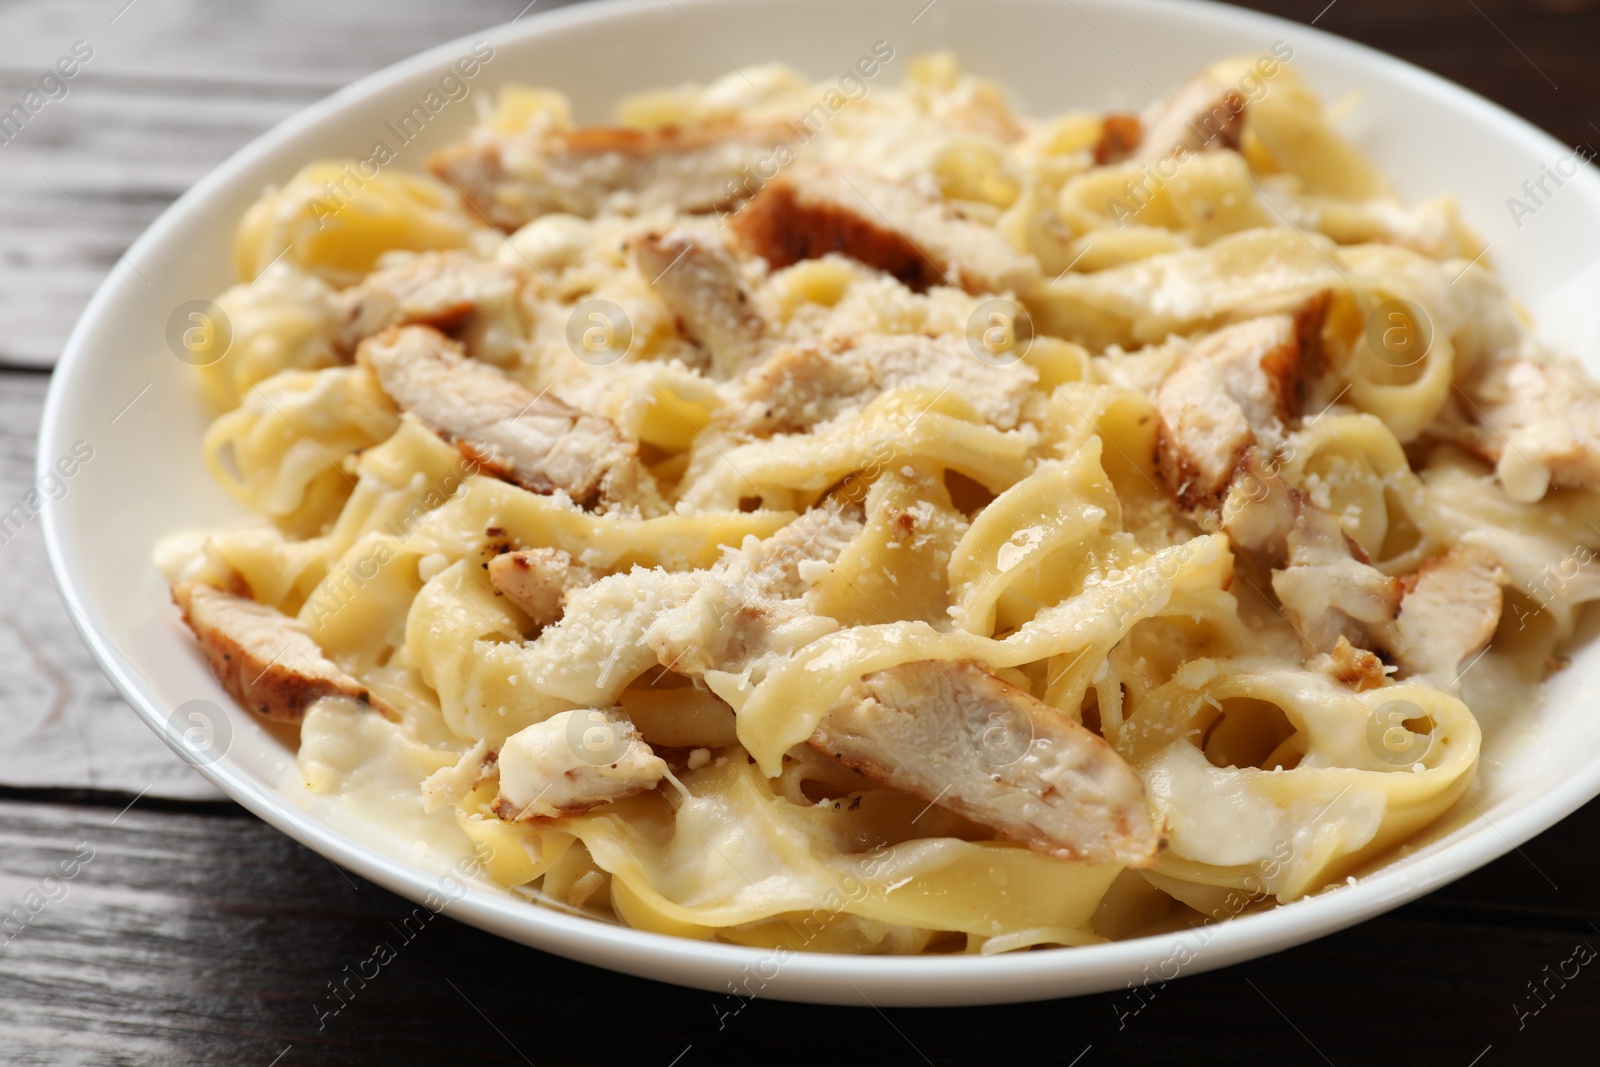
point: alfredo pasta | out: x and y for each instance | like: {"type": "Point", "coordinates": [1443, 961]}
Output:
{"type": "Point", "coordinates": [866, 519]}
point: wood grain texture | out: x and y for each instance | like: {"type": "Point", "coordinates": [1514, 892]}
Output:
{"type": "Point", "coordinates": [203, 936]}
{"type": "Point", "coordinates": [63, 723]}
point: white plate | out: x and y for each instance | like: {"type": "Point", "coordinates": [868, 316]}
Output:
{"type": "Point", "coordinates": [120, 390]}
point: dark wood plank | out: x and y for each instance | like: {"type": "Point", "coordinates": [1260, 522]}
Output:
{"type": "Point", "coordinates": [206, 936]}
{"type": "Point", "coordinates": [63, 723]}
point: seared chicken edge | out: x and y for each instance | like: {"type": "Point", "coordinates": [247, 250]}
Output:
{"type": "Point", "coordinates": [266, 660]}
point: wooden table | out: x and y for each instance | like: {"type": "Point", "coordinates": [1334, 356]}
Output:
{"type": "Point", "coordinates": [192, 933]}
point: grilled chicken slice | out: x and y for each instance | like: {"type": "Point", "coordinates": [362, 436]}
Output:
{"type": "Point", "coordinates": [1448, 614]}
{"type": "Point", "coordinates": [1355, 667]}
{"type": "Point", "coordinates": [957, 736]}
{"type": "Point", "coordinates": [1260, 509]}
{"type": "Point", "coordinates": [436, 289]}
{"type": "Point", "coordinates": [536, 441]}
{"type": "Point", "coordinates": [1236, 389]}
{"type": "Point", "coordinates": [889, 226]}
{"type": "Point", "coordinates": [1197, 116]}
{"type": "Point", "coordinates": [537, 580]}
{"type": "Point", "coordinates": [572, 762]}
{"type": "Point", "coordinates": [450, 785]}
{"type": "Point", "coordinates": [800, 387]}
{"type": "Point", "coordinates": [1119, 138]}
{"type": "Point", "coordinates": [512, 179]}
{"type": "Point", "coordinates": [702, 284]}
{"type": "Point", "coordinates": [1428, 623]}
{"type": "Point", "coordinates": [266, 660]}
{"type": "Point", "coordinates": [1225, 412]}
{"type": "Point", "coordinates": [1329, 590]}
{"type": "Point", "coordinates": [1539, 422]}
